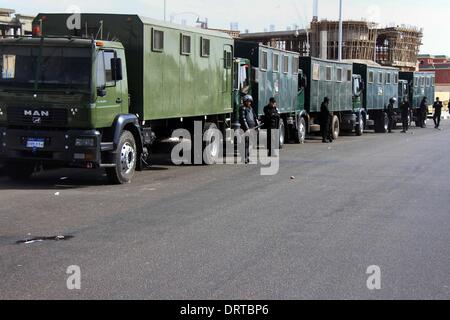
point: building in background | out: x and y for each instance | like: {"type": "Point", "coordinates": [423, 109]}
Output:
{"type": "Point", "coordinates": [393, 46]}
{"type": "Point", "coordinates": [12, 24]}
{"type": "Point", "coordinates": [440, 64]}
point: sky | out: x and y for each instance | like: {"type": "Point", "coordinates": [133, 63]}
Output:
{"type": "Point", "coordinates": [258, 15]}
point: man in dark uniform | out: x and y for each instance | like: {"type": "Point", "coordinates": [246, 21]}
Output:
{"type": "Point", "coordinates": [391, 114]}
{"type": "Point", "coordinates": [325, 120]}
{"type": "Point", "coordinates": [422, 114]}
{"type": "Point", "coordinates": [437, 106]}
{"type": "Point", "coordinates": [271, 121]}
{"type": "Point", "coordinates": [249, 121]}
{"type": "Point", "coordinates": [405, 108]}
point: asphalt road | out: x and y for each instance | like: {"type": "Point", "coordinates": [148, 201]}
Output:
{"type": "Point", "coordinates": [226, 232]}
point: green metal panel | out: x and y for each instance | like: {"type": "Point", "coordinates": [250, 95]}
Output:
{"type": "Point", "coordinates": [323, 82]}
{"type": "Point", "coordinates": [376, 94]}
{"type": "Point", "coordinates": [272, 82]}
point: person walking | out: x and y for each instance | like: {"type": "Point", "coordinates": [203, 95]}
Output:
{"type": "Point", "coordinates": [391, 114]}
{"type": "Point", "coordinates": [422, 114]}
{"type": "Point", "coordinates": [437, 106]}
{"type": "Point", "coordinates": [271, 122]}
{"type": "Point", "coordinates": [406, 112]}
{"type": "Point", "coordinates": [325, 121]}
{"type": "Point", "coordinates": [249, 121]}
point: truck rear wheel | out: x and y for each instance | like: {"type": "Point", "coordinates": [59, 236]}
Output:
{"type": "Point", "coordinates": [125, 160]}
{"type": "Point", "coordinates": [211, 147]}
{"type": "Point", "coordinates": [19, 171]}
{"type": "Point", "coordinates": [282, 133]}
{"type": "Point", "coordinates": [382, 123]}
{"type": "Point", "coordinates": [335, 127]}
{"type": "Point", "coordinates": [300, 131]}
{"type": "Point", "coordinates": [359, 129]}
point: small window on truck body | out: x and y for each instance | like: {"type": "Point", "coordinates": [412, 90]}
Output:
{"type": "Point", "coordinates": [316, 72]}
{"type": "Point", "coordinates": [264, 58]}
{"type": "Point", "coordinates": [158, 40]}
{"type": "Point", "coordinates": [276, 62]}
{"type": "Point", "coordinates": [285, 64]}
{"type": "Point", "coordinates": [371, 77]}
{"type": "Point", "coordinates": [185, 45]}
{"type": "Point", "coordinates": [428, 81]}
{"type": "Point", "coordinates": [396, 79]}
{"type": "Point", "coordinates": [422, 81]}
{"type": "Point", "coordinates": [349, 75]}
{"type": "Point", "coordinates": [339, 75]}
{"type": "Point", "coordinates": [388, 78]}
{"type": "Point", "coordinates": [206, 47]}
{"type": "Point", "coordinates": [328, 73]}
{"type": "Point", "coordinates": [380, 77]}
{"type": "Point", "coordinates": [295, 65]}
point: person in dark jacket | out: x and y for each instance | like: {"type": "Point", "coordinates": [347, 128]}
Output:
{"type": "Point", "coordinates": [422, 114]}
{"type": "Point", "coordinates": [405, 108]}
{"type": "Point", "coordinates": [249, 121]}
{"type": "Point", "coordinates": [391, 114]}
{"type": "Point", "coordinates": [271, 121]}
{"type": "Point", "coordinates": [437, 106]}
{"type": "Point", "coordinates": [325, 121]}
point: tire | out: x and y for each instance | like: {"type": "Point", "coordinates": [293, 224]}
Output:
{"type": "Point", "coordinates": [359, 129]}
{"type": "Point", "coordinates": [125, 158]}
{"type": "Point", "coordinates": [335, 128]}
{"type": "Point", "coordinates": [19, 171]}
{"type": "Point", "coordinates": [282, 136]}
{"type": "Point", "coordinates": [382, 123]}
{"type": "Point", "coordinates": [300, 131]}
{"type": "Point", "coordinates": [212, 145]}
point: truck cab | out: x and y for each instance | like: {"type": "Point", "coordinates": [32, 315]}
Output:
{"type": "Point", "coordinates": [59, 98]}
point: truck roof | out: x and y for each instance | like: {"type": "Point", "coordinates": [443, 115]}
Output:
{"type": "Point", "coordinates": [144, 20]}
{"type": "Point", "coordinates": [48, 41]}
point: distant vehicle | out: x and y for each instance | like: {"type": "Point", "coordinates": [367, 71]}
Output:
{"type": "Point", "coordinates": [415, 86]}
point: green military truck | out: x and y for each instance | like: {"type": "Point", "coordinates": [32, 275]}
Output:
{"type": "Point", "coordinates": [269, 72]}
{"type": "Point", "coordinates": [379, 85]}
{"type": "Point", "coordinates": [67, 99]}
{"type": "Point", "coordinates": [335, 80]}
{"type": "Point", "coordinates": [415, 86]}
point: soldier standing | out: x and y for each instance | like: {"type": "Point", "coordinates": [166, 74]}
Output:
{"type": "Point", "coordinates": [325, 120]}
{"type": "Point", "coordinates": [405, 109]}
{"type": "Point", "coordinates": [437, 106]}
{"type": "Point", "coordinates": [391, 114]}
{"type": "Point", "coordinates": [271, 121]}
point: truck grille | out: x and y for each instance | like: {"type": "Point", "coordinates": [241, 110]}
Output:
{"type": "Point", "coordinates": [38, 117]}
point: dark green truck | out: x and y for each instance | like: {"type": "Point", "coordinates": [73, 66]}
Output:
{"type": "Point", "coordinates": [69, 100]}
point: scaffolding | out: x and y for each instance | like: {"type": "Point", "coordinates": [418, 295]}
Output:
{"type": "Point", "coordinates": [362, 40]}
{"type": "Point", "coordinates": [359, 39]}
{"type": "Point", "coordinates": [399, 47]}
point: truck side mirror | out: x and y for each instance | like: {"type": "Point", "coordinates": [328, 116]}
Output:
{"type": "Point", "coordinates": [116, 68]}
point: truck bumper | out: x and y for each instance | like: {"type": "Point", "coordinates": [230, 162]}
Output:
{"type": "Point", "coordinates": [59, 147]}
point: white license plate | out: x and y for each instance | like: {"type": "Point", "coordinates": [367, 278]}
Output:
{"type": "Point", "coordinates": [35, 143]}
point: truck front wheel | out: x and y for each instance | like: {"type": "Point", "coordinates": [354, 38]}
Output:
{"type": "Point", "coordinates": [125, 160]}
{"type": "Point", "coordinates": [335, 128]}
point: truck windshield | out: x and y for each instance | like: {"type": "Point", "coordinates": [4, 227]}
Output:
{"type": "Point", "coordinates": [51, 68]}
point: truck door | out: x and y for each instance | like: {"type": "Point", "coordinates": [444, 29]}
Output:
{"type": "Point", "coordinates": [109, 90]}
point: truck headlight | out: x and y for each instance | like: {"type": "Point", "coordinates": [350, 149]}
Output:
{"type": "Point", "coordinates": [85, 142]}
